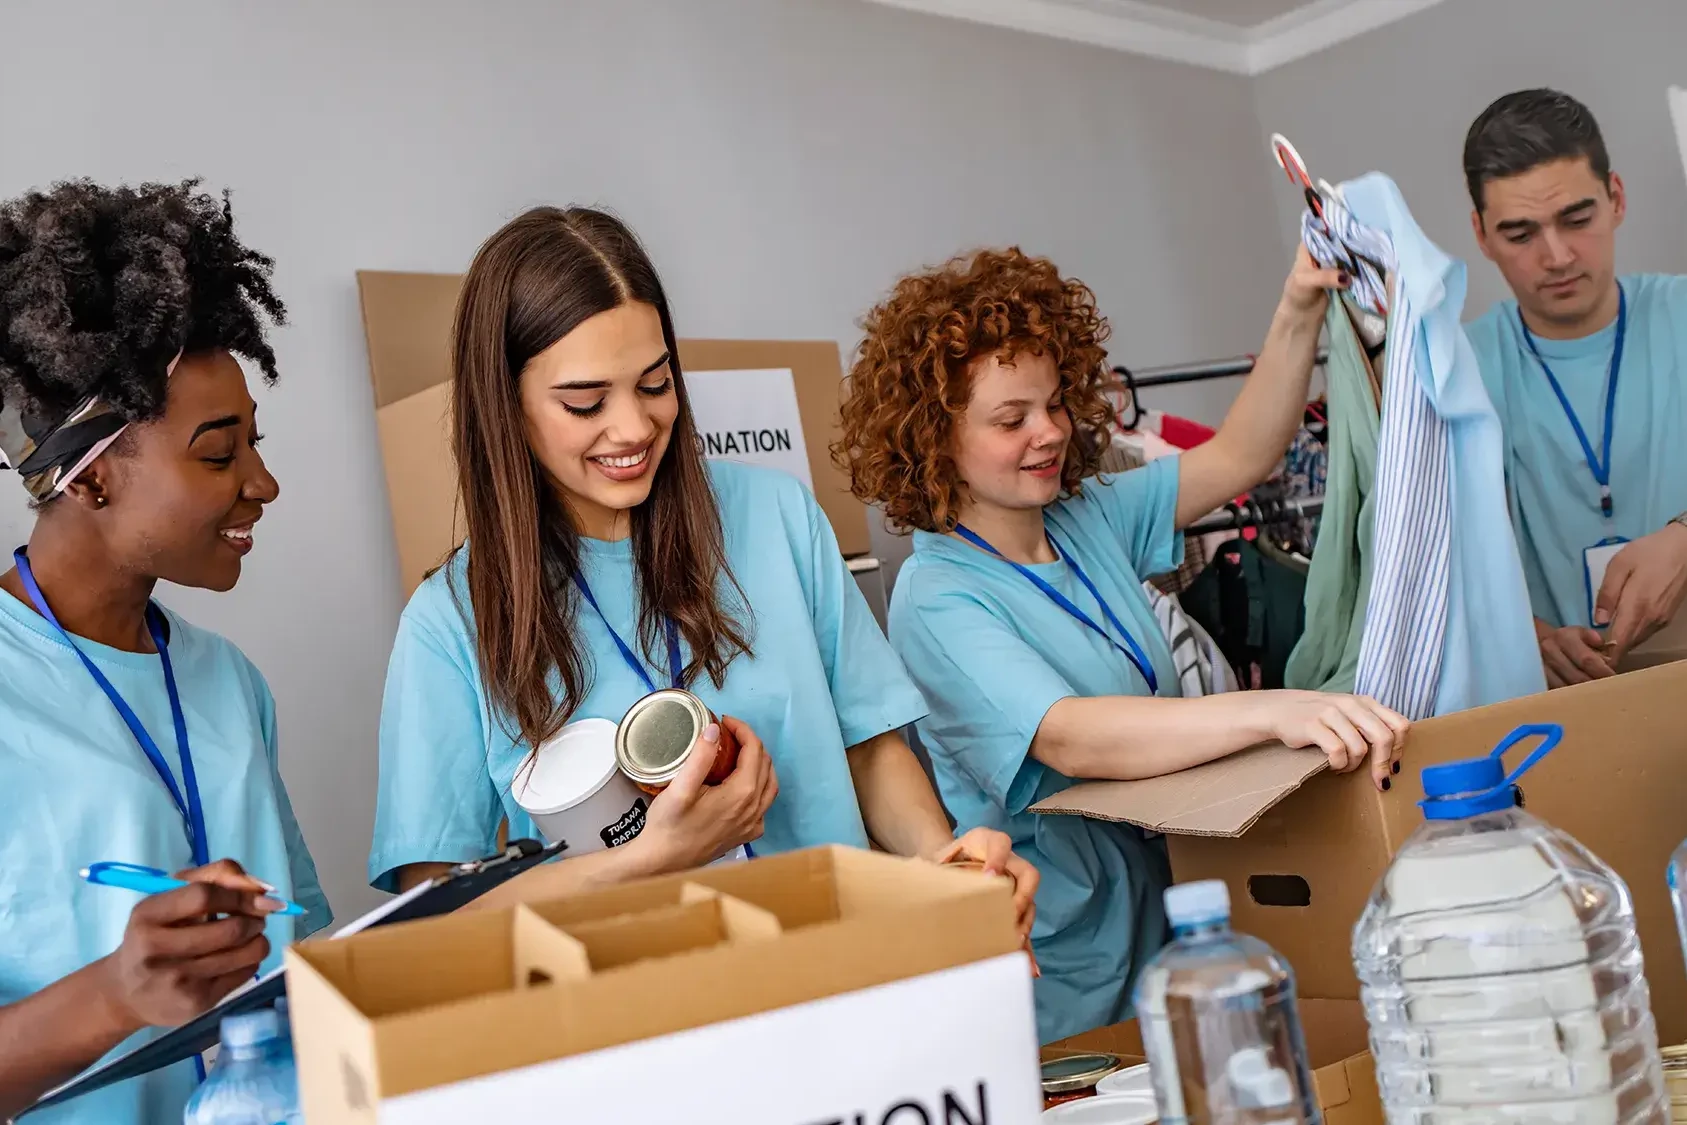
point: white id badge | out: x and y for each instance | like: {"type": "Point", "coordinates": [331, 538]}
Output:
{"type": "Point", "coordinates": [1595, 561]}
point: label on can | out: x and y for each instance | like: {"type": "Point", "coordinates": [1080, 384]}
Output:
{"type": "Point", "coordinates": [627, 826]}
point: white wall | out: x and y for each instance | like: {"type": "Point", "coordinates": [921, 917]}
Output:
{"type": "Point", "coordinates": [785, 160]}
{"type": "Point", "coordinates": [1401, 99]}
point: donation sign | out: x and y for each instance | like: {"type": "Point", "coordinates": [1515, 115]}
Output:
{"type": "Point", "coordinates": [750, 416]}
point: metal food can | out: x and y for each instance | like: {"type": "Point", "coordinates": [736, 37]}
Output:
{"type": "Point", "coordinates": [654, 739]}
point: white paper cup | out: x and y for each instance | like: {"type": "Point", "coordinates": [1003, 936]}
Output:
{"type": "Point", "coordinates": [1130, 1080]}
{"type": "Point", "coordinates": [574, 792]}
{"type": "Point", "coordinates": [1104, 1109]}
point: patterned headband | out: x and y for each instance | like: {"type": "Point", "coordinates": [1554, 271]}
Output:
{"type": "Point", "coordinates": [49, 454]}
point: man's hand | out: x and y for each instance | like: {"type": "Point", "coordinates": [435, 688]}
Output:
{"type": "Point", "coordinates": [1572, 655]}
{"type": "Point", "coordinates": [1643, 588]}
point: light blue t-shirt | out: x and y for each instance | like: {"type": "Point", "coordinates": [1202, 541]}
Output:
{"type": "Point", "coordinates": [1554, 497]}
{"type": "Point", "coordinates": [822, 678]}
{"type": "Point", "coordinates": [992, 653]}
{"type": "Point", "coordinates": [76, 789]}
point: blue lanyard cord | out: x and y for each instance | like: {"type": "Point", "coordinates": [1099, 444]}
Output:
{"type": "Point", "coordinates": [1131, 650]}
{"type": "Point", "coordinates": [675, 667]}
{"type": "Point", "coordinates": [192, 811]}
{"type": "Point", "coordinates": [1601, 467]}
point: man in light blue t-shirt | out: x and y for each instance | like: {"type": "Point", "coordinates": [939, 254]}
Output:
{"type": "Point", "coordinates": [1588, 372]}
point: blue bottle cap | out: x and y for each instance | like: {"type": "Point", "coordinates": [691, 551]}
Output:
{"type": "Point", "coordinates": [1458, 790]}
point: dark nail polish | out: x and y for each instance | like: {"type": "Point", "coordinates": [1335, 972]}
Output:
{"type": "Point", "coordinates": [1344, 280]}
{"type": "Point", "coordinates": [1387, 785]}
{"type": "Point", "coordinates": [1395, 767]}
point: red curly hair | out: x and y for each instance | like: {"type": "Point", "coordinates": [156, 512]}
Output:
{"type": "Point", "coordinates": [911, 380]}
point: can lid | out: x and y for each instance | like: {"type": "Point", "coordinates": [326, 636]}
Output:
{"type": "Point", "coordinates": [1459, 790]}
{"type": "Point", "coordinates": [1069, 1073]}
{"type": "Point", "coordinates": [567, 769]}
{"type": "Point", "coordinates": [652, 740]}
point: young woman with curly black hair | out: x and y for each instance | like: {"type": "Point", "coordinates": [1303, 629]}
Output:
{"type": "Point", "coordinates": [130, 735]}
{"type": "Point", "coordinates": [974, 413]}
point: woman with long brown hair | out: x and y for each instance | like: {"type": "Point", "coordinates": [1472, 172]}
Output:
{"type": "Point", "coordinates": [604, 557]}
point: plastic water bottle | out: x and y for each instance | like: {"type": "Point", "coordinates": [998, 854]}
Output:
{"type": "Point", "coordinates": [254, 1082]}
{"type": "Point", "coordinates": [1219, 1023]}
{"type": "Point", "coordinates": [1500, 968]}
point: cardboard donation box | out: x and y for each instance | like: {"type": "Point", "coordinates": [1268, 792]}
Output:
{"type": "Point", "coordinates": [770, 402]}
{"type": "Point", "coordinates": [809, 987]}
{"type": "Point", "coordinates": [1301, 849]}
{"type": "Point", "coordinates": [1338, 1052]}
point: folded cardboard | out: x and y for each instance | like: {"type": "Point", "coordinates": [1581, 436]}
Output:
{"type": "Point", "coordinates": [716, 996]}
{"type": "Point", "coordinates": [1343, 1073]}
{"type": "Point", "coordinates": [1306, 866]}
{"type": "Point", "coordinates": [407, 320]}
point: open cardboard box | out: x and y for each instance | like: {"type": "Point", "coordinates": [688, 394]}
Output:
{"type": "Point", "coordinates": [407, 320]}
{"type": "Point", "coordinates": [1313, 845]}
{"type": "Point", "coordinates": [1343, 1073]}
{"type": "Point", "coordinates": [811, 986]}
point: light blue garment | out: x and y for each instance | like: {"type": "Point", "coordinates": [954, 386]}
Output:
{"type": "Point", "coordinates": [992, 653]}
{"type": "Point", "coordinates": [1489, 653]}
{"type": "Point", "coordinates": [76, 789]}
{"type": "Point", "coordinates": [822, 678]}
{"type": "Point", "coordinates": [1554, 499]}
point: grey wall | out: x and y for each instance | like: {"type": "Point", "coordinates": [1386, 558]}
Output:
{"type": "Point", "coordinates": [1400, 99]}
{"type": "Point", "coordinates": [784, 159]}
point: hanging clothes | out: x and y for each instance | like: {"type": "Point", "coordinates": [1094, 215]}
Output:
{"type": "Point", "coordinates": [1202, 668]}
{"type": "Point", "coordinates": [1447, 621]}
{"type": "Point", "coordinates": [1339, 582]}
{"type": "Point", "coordinates": [1254, 607]}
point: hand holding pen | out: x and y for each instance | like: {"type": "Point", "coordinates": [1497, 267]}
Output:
{"type": "Point", "coordinates": [186, 948]}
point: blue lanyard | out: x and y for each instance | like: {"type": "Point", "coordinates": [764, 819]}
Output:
{"type": "Point", "coordinates": [1131, 650]}
{"type": "Point", "coordinates": [1601, 467]}
{"type": "Point", "coordinates": [193, 813]}
{"type": "Point", "coordinates": [675, 668]}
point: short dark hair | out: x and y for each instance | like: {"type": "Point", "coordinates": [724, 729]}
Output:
{"type": "Point", "coordinates": [1527, 129]}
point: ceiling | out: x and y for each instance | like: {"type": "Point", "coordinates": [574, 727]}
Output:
{"type": "Point", "coordinates": [1238, 36]}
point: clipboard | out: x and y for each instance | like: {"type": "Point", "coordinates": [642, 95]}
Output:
{"type": "Point", "coordinates": [442, 894]}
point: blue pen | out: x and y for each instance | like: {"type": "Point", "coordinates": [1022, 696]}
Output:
{"type": "Point", "coordinates": [151, 881]}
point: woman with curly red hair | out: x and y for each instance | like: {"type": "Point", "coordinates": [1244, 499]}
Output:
{"type": "Point", "coordinates": [975, 416]}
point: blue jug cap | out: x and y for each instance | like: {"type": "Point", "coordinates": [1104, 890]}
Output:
{"type": "Point", "coordinates": [1458, 790]}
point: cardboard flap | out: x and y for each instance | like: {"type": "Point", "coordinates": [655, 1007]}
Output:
{"type": "Point", "coordinates": [1222, 798]}
{"type": "Point", "coordinates": [544, 954]}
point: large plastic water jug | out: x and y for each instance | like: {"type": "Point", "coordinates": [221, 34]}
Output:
{"type": "Point", "coordinates": [1500, 968]}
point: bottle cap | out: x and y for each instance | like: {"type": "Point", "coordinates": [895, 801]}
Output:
{"type": "Point", "coordinates": [1459, 790]}
{"type": "Point", "coordinates": [1191, 904]}
{"type": "Point", "coordinates": [250, 1029]}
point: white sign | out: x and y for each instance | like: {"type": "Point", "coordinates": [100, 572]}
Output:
{"type": "Point", "coordinates": [956, 1047]}
{"type": "Point", "coordinates": [750, 416]}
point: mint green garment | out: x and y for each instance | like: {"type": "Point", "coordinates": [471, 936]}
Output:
{"type": "Point", "coordinates": [1339, 581]}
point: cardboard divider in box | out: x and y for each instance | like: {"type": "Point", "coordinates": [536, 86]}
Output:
{"type": "Point", "coordinates": [1338, 1053]}
{"type": "Point", "coordinates": [1301, 849]}
{"type": "Point", "coordinates": [701, 997]}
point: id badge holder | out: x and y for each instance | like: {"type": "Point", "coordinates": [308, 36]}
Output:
{"type": "Point", "coordinates": [1595, 560]}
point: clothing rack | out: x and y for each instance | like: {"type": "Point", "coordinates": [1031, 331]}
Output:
{"type": "Point", "coordinates": [1257, 513]}
{"type": "Point", "coordinates": [1190, 372]}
